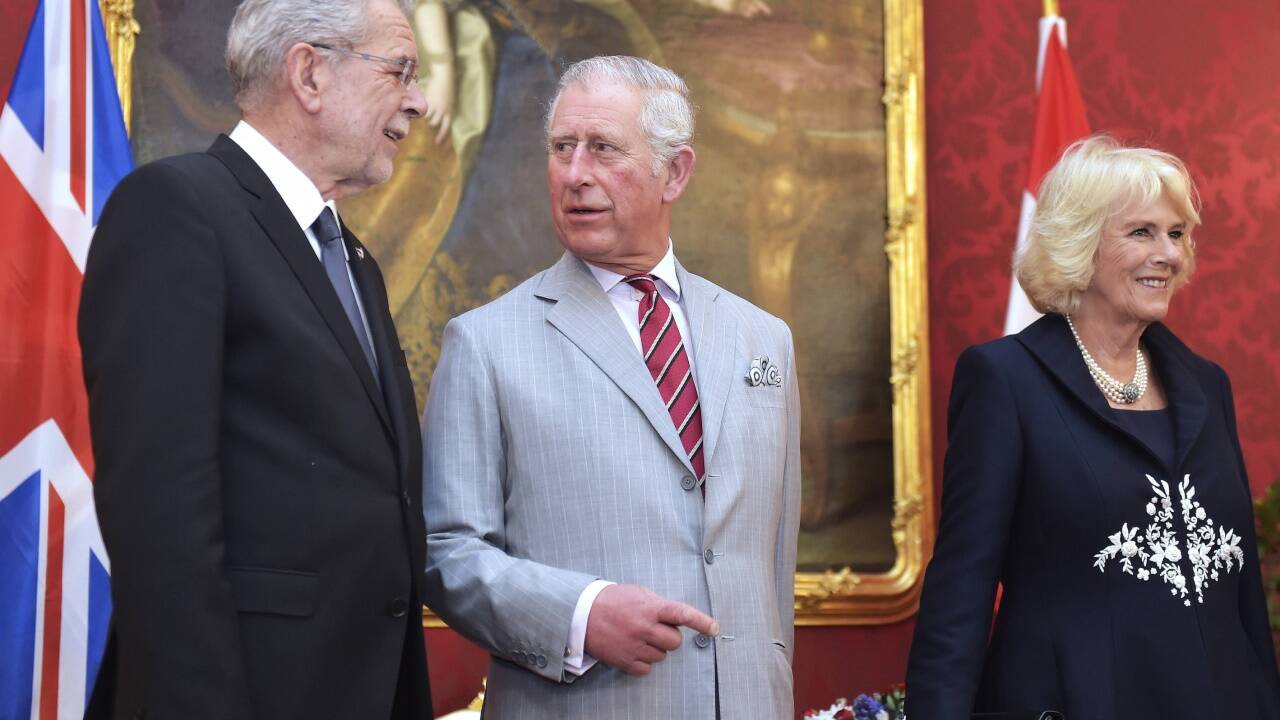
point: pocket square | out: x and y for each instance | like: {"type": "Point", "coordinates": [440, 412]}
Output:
{"type": "Point", "coordinates": [763, 372]}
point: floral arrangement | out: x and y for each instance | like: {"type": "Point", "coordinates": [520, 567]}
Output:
{"type": "Point", "coordinates": [876, 706]}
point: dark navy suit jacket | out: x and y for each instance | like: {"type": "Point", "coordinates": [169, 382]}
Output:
{"type": "Point", "coordinates": [1046, 494]}
{"type": "Point", "coordinates": [259, 491]}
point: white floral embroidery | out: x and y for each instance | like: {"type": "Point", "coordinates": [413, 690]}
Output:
{"type": "Point", "coordinates": [1156, 551]}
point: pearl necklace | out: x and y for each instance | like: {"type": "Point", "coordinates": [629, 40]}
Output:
{"type": "Point", "coordinates": [1116, 391]}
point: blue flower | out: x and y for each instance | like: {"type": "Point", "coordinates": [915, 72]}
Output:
{"type": "Point", "coordinates": [868, 708]}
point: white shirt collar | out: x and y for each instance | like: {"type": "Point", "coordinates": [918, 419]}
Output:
{"type": "Point", "coordinates": [296, 189]}
{"type": "Point", "coordinates": [665, 271]}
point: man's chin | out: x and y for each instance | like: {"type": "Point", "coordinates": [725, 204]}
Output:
{"type": "Point", "coordinates": [586, 246]}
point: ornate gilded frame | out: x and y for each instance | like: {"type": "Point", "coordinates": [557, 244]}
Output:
{"type": "Point", "coordinates": [834, 597]}
{"type": "Point", "coordinates": [843, 597]}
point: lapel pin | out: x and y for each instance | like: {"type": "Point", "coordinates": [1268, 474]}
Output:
{"type": "Point", "coordinates": [359, 253]}
{"type": "Point", "coordinates": [763, 372]}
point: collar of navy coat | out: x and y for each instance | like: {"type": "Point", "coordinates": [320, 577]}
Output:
{"type": "Point", "coordinates": [282, 228]}
{"type": "Point", "coordinates": [583, 314]}
{"type": "Point", "coordinates": [1049, 340]}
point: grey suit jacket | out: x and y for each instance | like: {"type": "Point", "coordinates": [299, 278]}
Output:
{"type": "Point", "coordinates": [551, 461]}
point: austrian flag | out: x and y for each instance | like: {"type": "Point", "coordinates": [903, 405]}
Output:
{"type": "Point", "coordinates": [62, 149]}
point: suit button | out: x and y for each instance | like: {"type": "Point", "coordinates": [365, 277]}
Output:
{"type": "Point", "coordinates": [701, 640]}
{"type": "Point", "coordinates": [688, 483]}
{"type": "Point", "coordinates": [517, 656]}
{"type": "Point", "coordinates": [404, 495]}
{"type": "Point", "coordinates": [542, 661]}
{"type": "Point", "coordinates": [709, 556]}
{"type": "Point", "coordinates": [398, 607]}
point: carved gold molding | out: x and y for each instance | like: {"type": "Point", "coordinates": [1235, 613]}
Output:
{"type": "Point", "coordinates": [842, 597]}
{"type": "Point", "coordinates": [122, 37]}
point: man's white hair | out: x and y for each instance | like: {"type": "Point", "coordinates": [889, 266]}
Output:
{"type": "Point", "coordinates": [262, 31]}
{"type": "Point", "coordinates": [666, 118]}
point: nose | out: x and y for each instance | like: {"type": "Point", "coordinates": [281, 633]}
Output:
{"type": "Point", "coordinates": [580, 170]}
{"type": "Point", "coordinates": [1170, 251]}
{"type": "Point", "coordinates": [414, 104]}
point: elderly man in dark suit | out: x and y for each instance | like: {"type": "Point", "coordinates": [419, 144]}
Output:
{"type": "Point", "coordinates": [253, 418]}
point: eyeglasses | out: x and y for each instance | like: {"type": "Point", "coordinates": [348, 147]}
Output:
{"type": "Point", "coordinates": [408, 68]}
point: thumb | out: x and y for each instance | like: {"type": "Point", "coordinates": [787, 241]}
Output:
{"type": "Point", "coordinates": [677, 613]}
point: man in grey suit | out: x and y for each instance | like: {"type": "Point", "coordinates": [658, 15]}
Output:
{"type": "Point", "coordinates": [612, 449]}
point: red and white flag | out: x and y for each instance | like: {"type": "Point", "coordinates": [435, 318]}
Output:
{"type": "Point", "coordinates": [1060, 121]}
{"type": "Point", "coordinates": [62, 149]}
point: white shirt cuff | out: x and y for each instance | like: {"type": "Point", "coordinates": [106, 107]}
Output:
{"type": "Point", "coordinates": [576, 659]}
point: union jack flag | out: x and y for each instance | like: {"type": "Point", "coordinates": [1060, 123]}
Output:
{"type": "Point", "coordinates": [63, 147]}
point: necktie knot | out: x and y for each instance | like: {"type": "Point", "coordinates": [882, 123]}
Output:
{"type": "Point", "coordinates": [326, 227]}
{"type": "Point", "coordinates": [643, 283]}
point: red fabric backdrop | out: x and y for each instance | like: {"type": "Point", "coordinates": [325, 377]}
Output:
{"type": "Point", "coordinates": [1199, 80]}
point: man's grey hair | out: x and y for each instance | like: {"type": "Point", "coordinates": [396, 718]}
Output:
{"type": "Point", "coordinates": [262, 31]}
{"type": "Point", "coordinates": [666, 118]}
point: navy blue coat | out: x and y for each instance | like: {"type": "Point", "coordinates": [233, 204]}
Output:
{"type": "Point", "coordinates": [1045, 493]}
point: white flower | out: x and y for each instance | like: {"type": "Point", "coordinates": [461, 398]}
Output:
{"type": "Point", "coordinates": [882, 715]}
{"type": "Point", "coordinates": [1197, 555]}
{"type": "Point", "coordinates": [1157, 552]}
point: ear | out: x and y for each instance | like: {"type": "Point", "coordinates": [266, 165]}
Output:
{"type": "Point", "coordinates": [306, 74]}
{"type": "Point", "coordinates": [679, 170]}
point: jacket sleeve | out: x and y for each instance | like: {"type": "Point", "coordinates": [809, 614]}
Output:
{"type": "Point", "coordinates": [515, 608]}
{"type": "Point", "coordinates": [981, 477]}
{"type": "Point", "coordinates": [789, 528]}
{"type": "Point", "coordinates": [151, 329]}
{"type": "Point", "coordinates": [1253, 602]}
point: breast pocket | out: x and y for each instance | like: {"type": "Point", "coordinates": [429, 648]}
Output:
{"type": "Point", "coordinates": [764, 380]}
{"type": "Point", "coordinates": [764, 396]}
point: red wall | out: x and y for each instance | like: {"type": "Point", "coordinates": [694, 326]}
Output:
{"type": "Point", "coordinates": [1199, 80]}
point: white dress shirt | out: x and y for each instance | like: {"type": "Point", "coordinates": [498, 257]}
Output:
{"type": "Point", "coordinates": [300, 196]}
{"type": "Point", "coordinates": [626, 300]}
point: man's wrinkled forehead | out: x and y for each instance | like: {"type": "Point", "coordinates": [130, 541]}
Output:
{"type": "Point", "coordinates": [593, 103]}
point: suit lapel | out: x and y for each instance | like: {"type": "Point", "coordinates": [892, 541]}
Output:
{"type": "Point", "coordinates": [1050, 341]}
{"type": "Point", "coordinates": [584, 315]}
{"type": "Point", "coordinates": [1186, 397]}
{"type": "Point", "coordinates": [274, 217]}
{"type": "Point", "coordinates": [714, 340]}
{"type": "Point", "coordinates": [386, 344]}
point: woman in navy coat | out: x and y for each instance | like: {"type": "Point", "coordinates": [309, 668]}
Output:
{"type": "Point", "coordinates": [1094, 471]}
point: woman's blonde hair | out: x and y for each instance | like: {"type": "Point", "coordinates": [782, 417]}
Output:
{"type": "Point", "coordinates": [1096, 179]}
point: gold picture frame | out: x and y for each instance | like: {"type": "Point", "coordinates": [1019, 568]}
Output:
{"type": "Point", "coordinates": [844, 597]}
{"type": "Point", "coordinates": [836, 596]}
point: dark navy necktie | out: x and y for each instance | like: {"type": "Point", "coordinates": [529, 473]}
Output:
{"type": "Point", "coordinates": [335, 266]}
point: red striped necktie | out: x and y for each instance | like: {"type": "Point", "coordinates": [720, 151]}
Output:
{"type": "Point", "coordinates": [668, 361]}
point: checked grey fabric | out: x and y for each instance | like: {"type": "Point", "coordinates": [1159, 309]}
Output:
{"type": "Point", "coordinates": [551, 460]}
